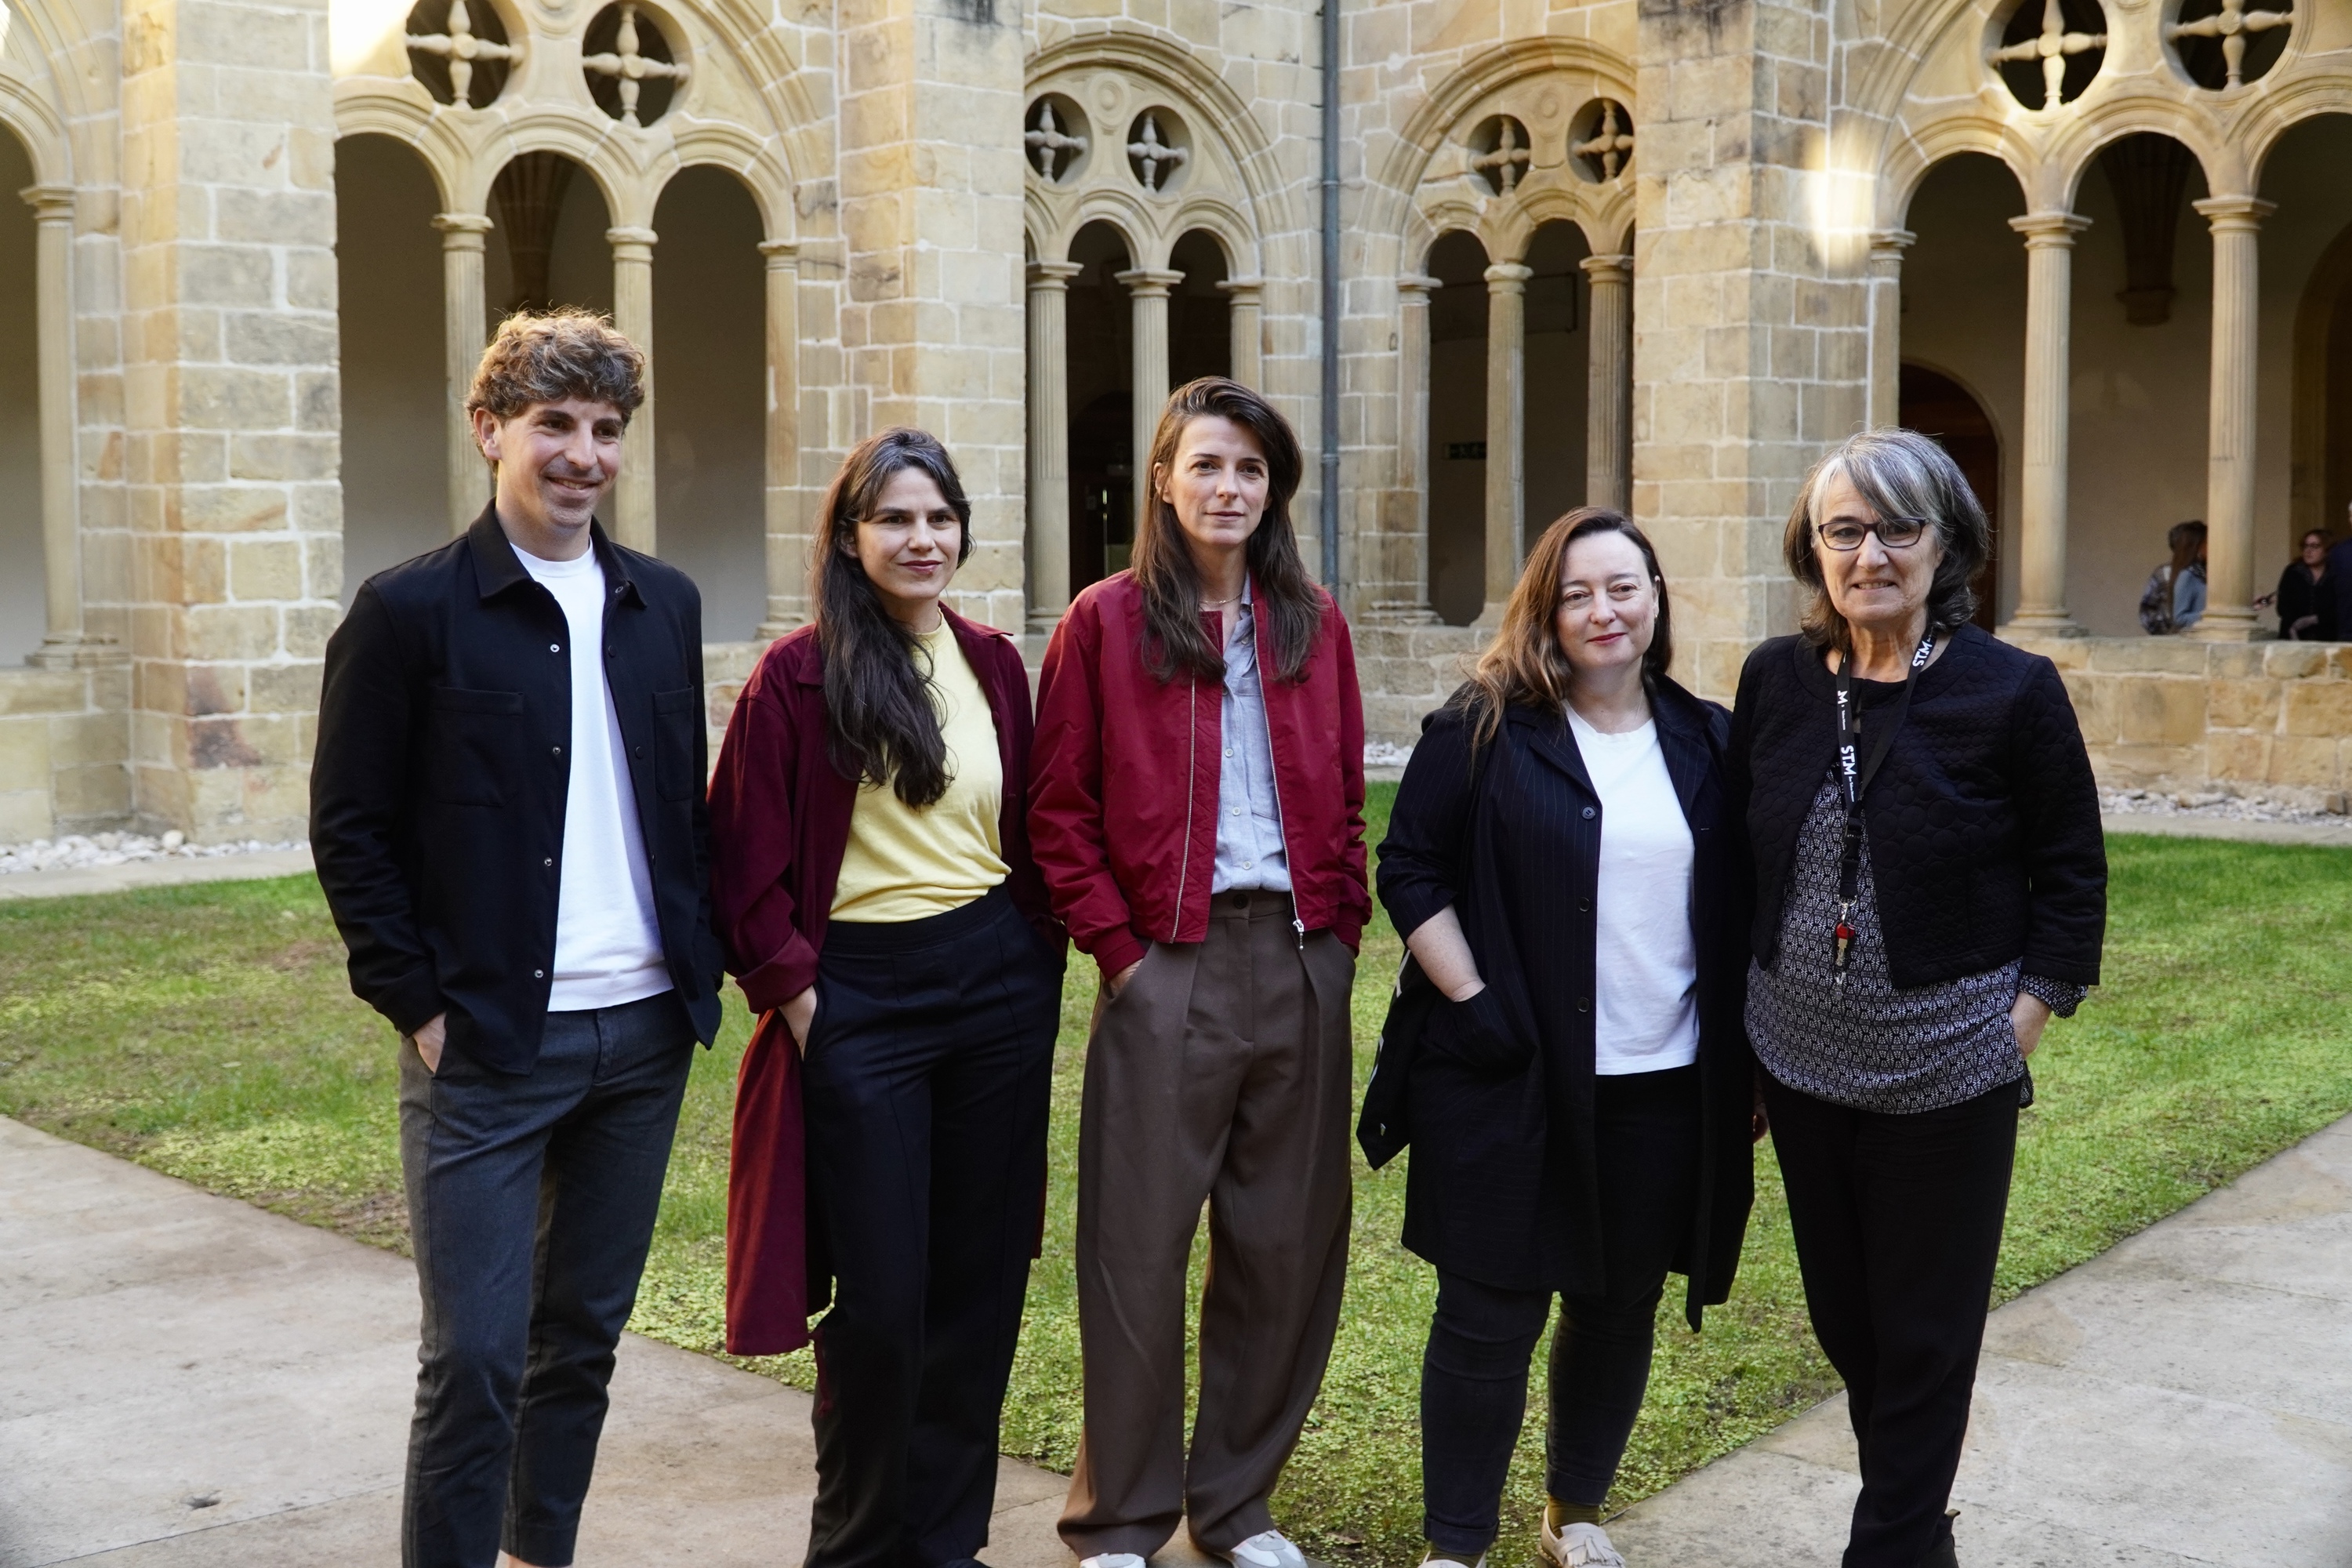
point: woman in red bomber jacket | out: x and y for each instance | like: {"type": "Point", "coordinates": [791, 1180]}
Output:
{"type": "Point", "coordinates": [872, 880]}
{"type": "Point", "coordinates": [1196, 806]}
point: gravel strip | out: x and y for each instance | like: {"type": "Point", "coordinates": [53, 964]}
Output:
{"type": "Point", "coordinates": [76, 850]}
{"type": "Point", "coordinates": [2213, 804]}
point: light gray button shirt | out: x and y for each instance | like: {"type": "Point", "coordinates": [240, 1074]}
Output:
{"type": "Point", "coordinates": [1249, 815]}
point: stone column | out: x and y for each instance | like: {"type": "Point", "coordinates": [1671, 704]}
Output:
{"type": "Point", "coordinates": [787, 531]}
{"type": "Point", "coordinates": [465, 327]}
{"type": "Point", "coordinates": [2229, 417]}
{"type": "Point", "coordinates": [2041, 520]}
{"type": "Point", "coordinates": [1609, 396]}
{"type": "Point", "coordinates": [1049, 441]}
{"type": "Point", "coordinates": [1401, 595]}
{"type": "Point", "coordinates": [1506, 311]}
{"type": "Point", "coordinates": [1886, 247]}
{"type": "Point", "coordinates": [632, 313]}
{"type": "Point", "coordinates": [1148, 291]}
{"type": "Point", "coordinates": [1248, 296]}
{"type": "Point", "coordinates": [53, 220]}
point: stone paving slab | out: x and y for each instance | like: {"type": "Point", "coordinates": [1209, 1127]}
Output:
{"type": "Point", "coordinates": [74, 880]}
{"type": "Point", "coordinates": [2184, 1399]}
{"type": "Point", "coordinates": [2335, 832]}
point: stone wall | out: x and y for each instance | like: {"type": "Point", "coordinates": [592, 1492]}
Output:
{"type": "Point", "coordinates": [64, 738]}
{"type": "Point", "coordinates": [2268, 719]}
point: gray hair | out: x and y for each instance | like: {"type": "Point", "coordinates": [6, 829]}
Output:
{"type": "Point", "coordinates": [1899, 473]}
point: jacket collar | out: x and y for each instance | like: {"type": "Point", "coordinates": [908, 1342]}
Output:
{"type": "Point", "coordinates": [1549, 736]}
{"type": "Point", "coordinates": [496, 568]}
{"type": "Point", "coordinates": [1682, 735]}
{"type": "Point", "coordinates": [806, 664]}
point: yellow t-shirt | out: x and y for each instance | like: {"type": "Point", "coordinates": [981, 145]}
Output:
{"type": "Point", "coordinates": [905, 863]}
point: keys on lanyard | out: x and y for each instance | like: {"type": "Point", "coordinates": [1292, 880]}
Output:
{"type": "Point", "coordinates": [1855, 776]}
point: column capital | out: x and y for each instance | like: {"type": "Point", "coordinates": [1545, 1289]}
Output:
{"type": "Point", "coordinates": [2049, 230]}
{"type": "Point", "coordinates": [1148, 283]}
{"type": "Point", "coordinates": [1891, 241]}
{"type": "Point", "coordinates": [1418, 285]}
{"type": "Point", "coordinates": [462, 231]}
{"type": "Point", "coordinates": [631, 244]}
{"type": "Point", "coordinates": [2244, 213]}
{"type": "Point", "coordinates": [1508, 278]}
{"type": "Point", "coordinates": [1052, 277]}
{"type": "Point", "coordinates": [50, 204]}
{"type": "Point", "coordinates": [781, 254]}
{"type": "Point", "coordinates": [1242, 290]}
{"type": "Point", "coordinates": [1613, 268]}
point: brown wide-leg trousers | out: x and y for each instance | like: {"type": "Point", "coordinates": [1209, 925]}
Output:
{"type": "Point", "coordinates": [1221, 1072]}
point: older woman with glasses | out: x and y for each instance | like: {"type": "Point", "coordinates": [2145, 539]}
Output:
{"type": "Point", "coordinates": [1930, 886]}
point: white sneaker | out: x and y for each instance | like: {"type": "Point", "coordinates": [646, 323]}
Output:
{"type": "Point", "coordinates": [1578, 1546]}
{"type": "Point", "coordinates": [1266, 1548]}
{"type": "Point", "coordinates": [1112, 1559]}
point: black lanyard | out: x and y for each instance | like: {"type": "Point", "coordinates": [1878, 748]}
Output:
{"type": "Point", "coordinates": [1857, 779]}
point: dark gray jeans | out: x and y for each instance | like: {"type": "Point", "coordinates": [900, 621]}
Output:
{"type": "Point", "coordinates": [531, 1203]}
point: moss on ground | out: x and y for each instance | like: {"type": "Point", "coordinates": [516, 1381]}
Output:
{"type": "Point", "coordinates": [207, 1032]}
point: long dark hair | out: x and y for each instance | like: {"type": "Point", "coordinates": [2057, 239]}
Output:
{"type": "Point", "coordinates": [878, 697]}
{"type": "Point", "coordinates": [1287, 612]}
{"type": "Point", "coordinates": [1524, 663]}
{"type": "Point", "coordinates": [1898, 473]}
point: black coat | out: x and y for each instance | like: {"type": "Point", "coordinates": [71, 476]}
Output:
{"type": "Point", "coordinates": [1502, 1188]}
{"type": "Point", "coordinates": [2298, 597]}
{"type": "Point", "coordinates": [1985, 842]}
{"type": "Point", "coordinates": [439, 788]}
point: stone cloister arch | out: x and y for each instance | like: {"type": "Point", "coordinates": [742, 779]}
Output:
{"type": "Point", "coordinates": [1124, 136]}
{"type": "Point", "coordinates": [1523, 140]}
{"type": "Point", "coordinates": [739, 105]}
{"type": "Point", "coordinates": [45, 478]}
{"type": "Point", "coordinates": [1934, 94]}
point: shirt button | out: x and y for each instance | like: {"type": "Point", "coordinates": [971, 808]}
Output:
{"type": "Point", "coordinates": [1229, 750]}
{"type": "Point", "coordinates": [1588, 814]}
{"type": "Point", "coordinates": [1247, 864]}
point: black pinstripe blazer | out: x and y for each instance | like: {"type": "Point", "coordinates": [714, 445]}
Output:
{"type": "Point", "coordinates": [1502, 1187]}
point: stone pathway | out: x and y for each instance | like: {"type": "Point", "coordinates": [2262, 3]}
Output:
{"type": "Point", "coordinates": [186, 1382]}
{"type": "Point", "coordinates": [2183, 1400]}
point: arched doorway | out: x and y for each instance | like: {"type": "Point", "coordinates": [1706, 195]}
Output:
{"type": "Point", "coordinates": [1558, 361]}
{"type": "Point", "coordinates": [1937, 406]}
{"type": "Point", "coordinates": [1200, 316]}
{"type": "Point", "coordinates": [711, 467]}
{"type": "Point", "coordinates": [1457, 428]}
{"type": "Point", "coordinates": [388, 282]}
{"type": "Point", "coordinates": [1102, 377]}
{"type": "Point", "coordinates": [23, 578]}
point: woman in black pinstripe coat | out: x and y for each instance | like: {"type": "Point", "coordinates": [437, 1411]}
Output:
{"type": "Point", "coordinates": [1580, 1102]}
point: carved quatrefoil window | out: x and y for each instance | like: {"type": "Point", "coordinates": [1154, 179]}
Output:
{"type": "Point", "coordinates": [1499, 153]}
{"type": "Point", "coordinates": [1158, 149]}
{"type": "Point", "coordinates": [2050, 50]}
{"type": "Point", "coordinates": [1600, 139]}
{"type": "Point", "coordinates": [633, 72]}
{"type": "Point", "coordinates": [1053, 137]}
{"type": "Point", "coordinates": [2224, 44]}
{"type": "Point", "coordinates": [459, 50]}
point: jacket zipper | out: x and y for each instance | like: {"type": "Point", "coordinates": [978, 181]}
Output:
{"type": "Point", "coordinates": [1274, 772]}
{"type": "Point", "coordinates": [1191, 759]}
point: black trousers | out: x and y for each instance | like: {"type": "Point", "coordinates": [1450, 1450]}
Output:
{"type": "Point", "coordinates": [1897, 1222]}
{"type": "Point", "coordinates": [1474, 1376]}
{"type": "Point", "coordinates": [929, 1067]}
{"type": "Point", "coordinates": [531, 1200]}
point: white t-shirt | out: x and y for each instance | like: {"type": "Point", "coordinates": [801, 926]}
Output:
{"type": "Point", "coordinates": [608, 947]}
{"type": "Point", "coordinates": [1646, 960]}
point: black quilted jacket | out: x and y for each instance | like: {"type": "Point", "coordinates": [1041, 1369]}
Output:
{"type": "Point", "coordinates": [1984, 836]}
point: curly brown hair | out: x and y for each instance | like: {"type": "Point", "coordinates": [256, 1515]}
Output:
{"type": "Point", "coordinates": [546, 356]}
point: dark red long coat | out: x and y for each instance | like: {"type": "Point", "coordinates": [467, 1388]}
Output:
{"type": "Point", "coordinates": [779, 825]}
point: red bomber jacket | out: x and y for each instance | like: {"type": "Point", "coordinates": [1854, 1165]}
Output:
{"type": "Point", "coordinates": [1123, 783]}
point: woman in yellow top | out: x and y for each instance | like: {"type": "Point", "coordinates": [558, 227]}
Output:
{"type": "Point", "coordinates": [872, 879]}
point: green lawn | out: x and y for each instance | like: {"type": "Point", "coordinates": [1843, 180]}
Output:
{"type": "Point", "coordinates": [207, 1032]}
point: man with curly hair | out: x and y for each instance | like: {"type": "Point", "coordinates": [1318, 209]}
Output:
{"type": "Point", "coordinates": [507, 812]}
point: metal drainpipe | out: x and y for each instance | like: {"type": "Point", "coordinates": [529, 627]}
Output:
{"type": "Point", "coordinates": [1331, 509]}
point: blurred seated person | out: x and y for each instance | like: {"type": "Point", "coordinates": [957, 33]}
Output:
{"type": "Point", "coordinates": [2306, 597]}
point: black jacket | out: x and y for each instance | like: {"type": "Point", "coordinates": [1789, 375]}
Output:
{"type": "Point", "coordinates": [1984, 820]}
{"type": "Point", "coordinates": [1502, 1188]}
{"type": "Point", "coordinates": [2298, 597]}
{"type": "Point", "coordinates": [439, 788]}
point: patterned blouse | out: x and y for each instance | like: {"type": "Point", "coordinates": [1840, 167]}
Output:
{"type": "Point", "coordinates": [1869, 1046]}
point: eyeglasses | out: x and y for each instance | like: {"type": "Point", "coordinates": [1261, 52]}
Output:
{"type": "Point", "coordinates": [1895, 532]}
